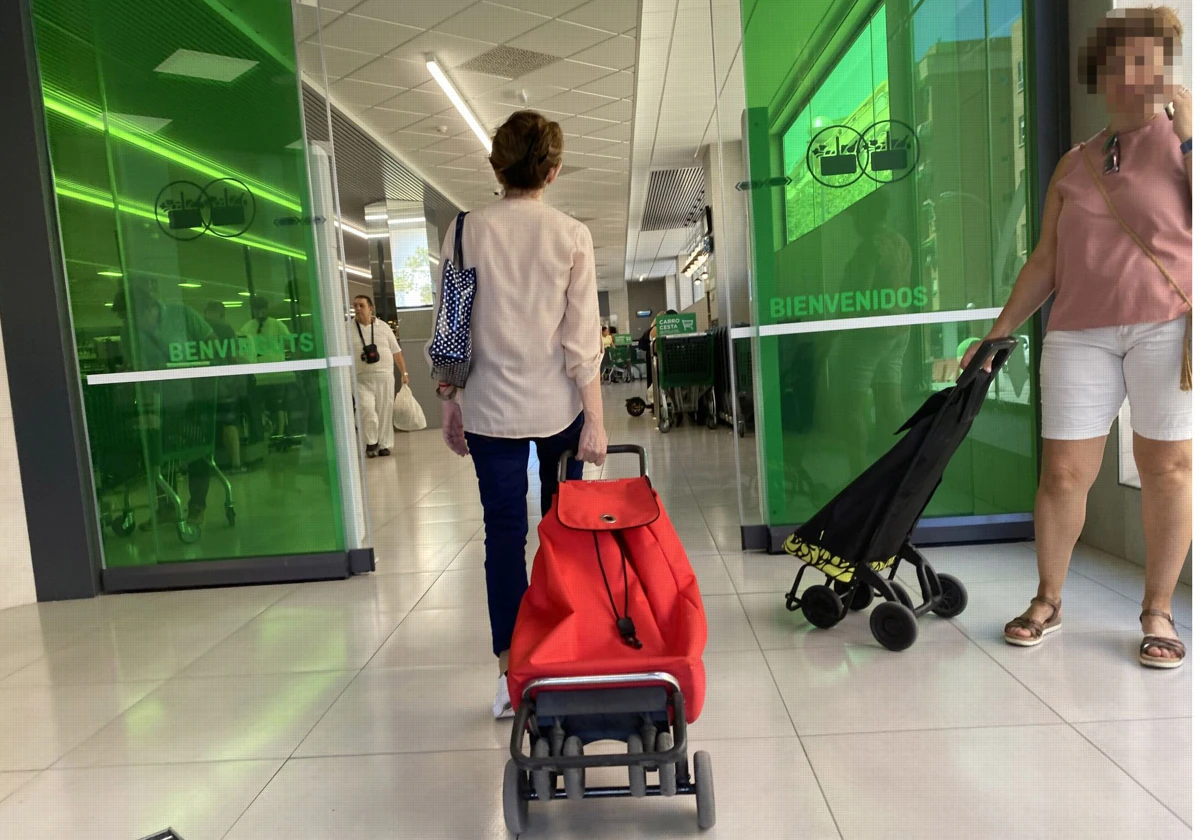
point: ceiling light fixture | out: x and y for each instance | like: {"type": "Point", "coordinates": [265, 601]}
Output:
{"type": "Point", "coordinates": [358, 272]}
{"type": "Point", "coordinates": [189, 285]}
{"type": "Point", "coordinates": [349, 228]}
{"type": "Point", "coordinates": [378, 235]}
{"type": "Point", "coordinates": [439, 76]}
{"type": "Point", "coordinates": [409, 221]}
{"type": "Point", "coordinates": [376, 217]}
{"type": "Point", "coordinates": [110, 274]}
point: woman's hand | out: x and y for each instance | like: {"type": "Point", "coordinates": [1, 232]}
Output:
{"type": "Point", "coordinates": [972, 350]}
{"type": "Point", "coordinates": [452, 428]}
{"type": "Point", "coordinates": [593, 443]}
{"type": "Point", "coordinates": [1182, 121]}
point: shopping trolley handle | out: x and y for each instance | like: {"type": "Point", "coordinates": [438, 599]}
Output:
{"type": "Point", "coordinates": [993, 352]}
{"type": "Point", "coordinates": [616, 449]}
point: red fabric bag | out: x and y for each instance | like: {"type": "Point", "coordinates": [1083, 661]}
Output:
{"type": "Point", "coordinates": [568, 622]}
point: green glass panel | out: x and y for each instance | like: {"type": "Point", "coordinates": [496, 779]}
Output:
{"type": "Point", "coordinates": [175, 134]}
{"type": "Point", "coordinates": [888, 174]}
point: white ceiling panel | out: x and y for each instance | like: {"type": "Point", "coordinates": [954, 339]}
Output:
{"type": "Point", "coordinates": [451, 50]}
{"type": "Point", "coordinates": [549, 8]}
{"type": "Point", "coordinates": [612, 131]}
{"type": "Point", "coordinates": [387, 122]}
{"type": "Point", "coordinates": [391, 71]}
{"type": "Point", "coordinates": [620, 110]}
{"type": "Point", "coordinates": [567, 74]}
{"type": "Point", "coordinates": [423, 14]}
{"type": "Point", "coordinates": [459, 146]}
{"type": "Point", "coordinates": [451, 121]}
{"type": "Point", "coordinates": [609, 15]}
{"type": "Point", "coordinates": [491, 22]}
{"type": "Point", "coordinates": [575, 102]}
{"type": "Point", "coordinates": [422, 101]}
{"type": "Point", "coordinates": [619, 53]}
{"type": "Point", "coordinates": [363, 94]}
{"type": "Point", "coordinates": [473, 85]}
{"type": "Point", "coordinates": [353, 32]}
{"type": "Point", "coordinates": [557, 37]}
{"type": "Point", "coordinates": [338, 63]}
{"type": "Point", "coordinates": [597, 145]}
{"type": "Point", "coordinates": [617, 85]}
{"type": "Point", "coordinates": [584, 126]}
{"type": "Point", "coordinates": [412, 141]}
{"type": "Point", "coordinates": [307, 20]}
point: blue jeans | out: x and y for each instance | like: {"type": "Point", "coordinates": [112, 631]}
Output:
{"type": "Point", "coordinates": [501, 466]}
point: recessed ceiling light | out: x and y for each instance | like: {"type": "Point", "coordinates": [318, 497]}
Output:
{"type": "Point", "coordinates": [244, 294]}
{"type": "Point", "coordinates": [201, 65]}
{"type": "Point", "coordinates": [189, 285]}
{"type": "Point", "coordinates": [233, 304]}
{"type": "Point", "coordinates": [110, 274]}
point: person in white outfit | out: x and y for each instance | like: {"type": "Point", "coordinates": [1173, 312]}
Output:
{"type": "Point", "coordinates": [376, 350]}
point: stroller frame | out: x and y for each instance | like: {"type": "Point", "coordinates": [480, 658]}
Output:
{"type": "Point", "coordinates": [637, 709]}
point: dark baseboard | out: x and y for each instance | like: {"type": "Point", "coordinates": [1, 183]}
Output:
{"type": "Point", "coordinates": [241, 572]}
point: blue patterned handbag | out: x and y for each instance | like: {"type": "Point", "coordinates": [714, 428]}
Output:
{"type": "Point", "coordinates": [450, 349]}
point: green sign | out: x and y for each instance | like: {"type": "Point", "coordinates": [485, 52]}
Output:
{"type": "Point", "coordinates": [676, 324]}
{"type": "Point", "coordinates": [622, 340]}
{"type": "Point", "coordinates": [848, 303]}
{"type": "Point", "coordinates": [242, 347]}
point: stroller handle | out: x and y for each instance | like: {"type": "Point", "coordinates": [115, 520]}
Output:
{"type": "Point", "coordinates": [994, 350]}
{"type": "Point", "coordinates": [625, 449]}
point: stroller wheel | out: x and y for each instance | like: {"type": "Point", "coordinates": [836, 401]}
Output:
{"type": "Point", "coordinates": [636, 407]}
{"type": "Point", "coordinates": [573, 778]}
{"type": "Point", "coordinates": [666, 771]}
{"type": "Point", "coordinates": [541, 778]}
{"type": "Point", "coordinates": [516, 806]}
{"type": "Point", "coordinates": [954, 597]}
{"type": "Point", "coordinates": [637, 772]}
{"type": "Point", "coordinates": [894, 626]}
{"type": "Point", "coordinates": [706, 797]}
{"type": "Point", "coordinates": [821, 606]}
{"type": "Point", "coordinates": [863, 596]}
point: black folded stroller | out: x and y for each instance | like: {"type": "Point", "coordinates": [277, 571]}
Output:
{"type": "Point", "coordinates": [858, 537]}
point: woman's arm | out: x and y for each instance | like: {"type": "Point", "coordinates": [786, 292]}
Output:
{"type": "Point", "coordinates": [1182, 123]}
{"type": "Point", "coordinates": [581, 325]}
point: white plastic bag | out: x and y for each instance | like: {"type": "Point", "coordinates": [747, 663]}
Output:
{"type": "Point", "coordinates": [407, 415]}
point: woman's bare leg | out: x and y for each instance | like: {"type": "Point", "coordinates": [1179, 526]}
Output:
{"type": "Point", "coordinates": [1069, 468]}
{"type": "Point", "coordinates": [1165, 468]}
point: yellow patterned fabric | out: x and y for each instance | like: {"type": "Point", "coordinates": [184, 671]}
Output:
{"type": "Point", "coordinates": [831, 565]}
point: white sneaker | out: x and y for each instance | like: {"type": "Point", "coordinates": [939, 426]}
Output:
{"type": "Point", "coordinates": [502, 707]}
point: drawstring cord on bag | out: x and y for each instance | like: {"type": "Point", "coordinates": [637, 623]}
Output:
{"type": "Point", "coordinates": [625, 625]}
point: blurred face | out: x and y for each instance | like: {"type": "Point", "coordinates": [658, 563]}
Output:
{"type": "Point", "coordinates": [363, 311]}
{"type": "Point", "coordinates": [1135, 74]}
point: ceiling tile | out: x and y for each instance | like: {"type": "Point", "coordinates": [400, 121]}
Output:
{"type": "Point", "coordinates": [612, 131]}
{"type": "Point", "coordinates": [388, 122]}
{"type": "Point", "coordinates": [391, 71]}
{"type": "Point", "coordinates": [335, 5]}
{"type": "Point", "coordinates": [423, 14]}
{"type": "Point", "coordinates": [420, 101]}
{"type": "Point", "coordinates": [363, 94]}
{"type": "Point", "coordinates": [559, 38]}
{"type": "Point", "coordinates": [338, 63]}
{"type": "Point", "coordinates": [584, 126]}
{"type": "Point", "coordinates": [450, 120]}
{"type": "Point", "coordinates": [619, 53]}
{"type": "Point", "coordinates": [620, 110]}
{"type": "Point", "coordinates": [567, 74]}
{"type": "Point", "coordinates": [411, 141]}
{"type": "Point", "coordinates": [550, 8]}
{"type": "Point", "coordinates": [609, 15]}
{"type": "Point", "coordinates": [490, 22]}
{"type": "Point", "coordinates": [353, 32]}
{"type": "Point", "coordinates": [618, 85]}
{"type": "Point", "coordinates": [474, 85]}
{"type": "Point", "coordinates": [450, 50]}
{"type": "Point", "coordinates": [306, 20]}
{"type": "Point", "coordinates": [574, 102]}
{"type": "Point", "coordinates": [592, 145]}
{"type": "Point", "coordinates": [459, 146]}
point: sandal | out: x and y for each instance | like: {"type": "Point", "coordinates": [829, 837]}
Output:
{"type": "Point", "coordinates": [1172, 646]}
{"type": "Point", "coordinates": [1037, 629]}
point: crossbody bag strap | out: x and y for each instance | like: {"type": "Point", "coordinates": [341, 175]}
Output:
{"type": "Point", "coordinates": [458, 237]}
{"type": "Point", "coordinates": [1132, 233]}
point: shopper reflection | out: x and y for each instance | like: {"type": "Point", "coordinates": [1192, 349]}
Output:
{"type": "Point", "coordinates": [375, 352]}
{"type": "Point", "coordinates": [871, 360]}
{"type": "Point", "coordinates": [158, 336]}
{"type": "Point", "coordinates": [270, 342]}
{"type": "Point", "coordinates": [231, 390]}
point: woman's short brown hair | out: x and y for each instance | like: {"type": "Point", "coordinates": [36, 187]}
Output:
{"type": "Point", "coordinates": [526, 149]}
{"type": "Point", "coordinates": [1158, 22]}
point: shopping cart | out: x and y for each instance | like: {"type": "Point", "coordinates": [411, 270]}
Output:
{"type": "Point", "coordinates": [683, 382]}
{"type": "Point", "coordinates": [734, 397]}
{"type": "Point", "coordinates": [618, 364]}
{"type": "Point", "coordinates": [857, 540]}
{"type": "Point", "coordinates": [116, 444]}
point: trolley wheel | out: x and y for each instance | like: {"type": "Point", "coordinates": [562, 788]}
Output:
{"type": "Point", "coordinates": [821, 606]}
{"type": "Point", "coordinates": [123, 524]}
{"type": "Point", "coordinates": [188, 533]}
{"type": "Point", "coordinates": [741, 429]}
{"type": "Point", "coordinates": [667, 784]}
{"type": "Point", "coordinates": [230, 514]}
{"type": "Point", "coordinates": [954, 597]}
{"type": "Point", "coordinates": [516, 806]}
{"type": "Point", "coordinates": [862, 598]}
{"type": "Point", "coordinates": [894, 626]}
{"type": "Point", "coordinates": [664, 423]}
{"type": "Point", "coordinates": [637, 772]}
{"type": "Point", "coordinates": [541, 778]}
{"type": "Point", "coordinates": [635, 406]}
{"type": "Point", "coordinates": [573, 777]}
{"type": "Point", "coordinates": [706, 797]}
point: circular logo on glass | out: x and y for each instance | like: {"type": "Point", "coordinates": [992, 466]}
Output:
{"type": "Point", "coordinates": [889, 151]}
{"type": "Point", "coordinates": [185, 210]}
{"type": "Point", "coordinates": [832, 156]}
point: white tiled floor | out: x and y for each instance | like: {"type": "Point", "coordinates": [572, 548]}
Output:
{"type": "Point", "coordinates": [360, 708]}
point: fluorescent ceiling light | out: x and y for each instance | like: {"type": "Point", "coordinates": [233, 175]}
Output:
{"type": "Point", "coordinates": [202, 65]}
{"type": "Point", "coordinates": [110, 274]}
{"type": "Point", "coordinates": [349, 228]}
{"type": "Point", "coordinates": [376, 217]}
{"type": "Point", "coordinates": [439, 76]}
{"type": "Point", "coordinates": [233, 304]}
{"type": "Point", "coordinates": [433, 259]}
{"type": "Point", "coordinates": [356, 271]}
{"type": "Point", "coordinates": [189, 285]}
{"type": "Point", "coordinates": [244, 294]}
{"type": "Point", "coordinates": [410, 221]}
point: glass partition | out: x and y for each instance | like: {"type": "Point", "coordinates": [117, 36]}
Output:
{"type": "Point", "coordinates": [200, 277]}
{"type": "Point", "coordinates": [890, 198]}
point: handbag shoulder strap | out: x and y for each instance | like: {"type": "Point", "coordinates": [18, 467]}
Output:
{"type": "Point", "coordinates": [458, 237]}
{"type": "Point", "coordinates": [1132, 233]}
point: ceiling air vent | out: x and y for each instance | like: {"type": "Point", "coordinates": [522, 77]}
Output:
{"type": "Point", "coordinates": [675, 198]}
{"type": "Point", "coordinates": [508, 62]}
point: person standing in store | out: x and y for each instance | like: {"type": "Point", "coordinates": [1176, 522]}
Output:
{"type": "Point", "coordinates": [270, 340]}
{"type": "Point", "coordinates": [375, 350]}
{"type": "Point", "coordinates": [540, 384]}
{"type": "Point", "coordinates": [231, 390]}
{"type": "Point", "coordinates": [1116, 251]}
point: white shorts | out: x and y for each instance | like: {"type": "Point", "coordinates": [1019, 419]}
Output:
{"type": "Point", "coordinates": [1087, 374]}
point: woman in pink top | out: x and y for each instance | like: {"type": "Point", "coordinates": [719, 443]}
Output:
{"type": "Point", "coordinates": [1119, 319]}
{"type": "Point", "coordinates": [538, 384]}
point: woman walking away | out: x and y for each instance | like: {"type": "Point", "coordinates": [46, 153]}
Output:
{"type": "Point", "coordinates": [535, 267]}
{"type": "Point", "coordinates": [375, 351]}
{"type": "Point", "coordinates": [1116, 249]}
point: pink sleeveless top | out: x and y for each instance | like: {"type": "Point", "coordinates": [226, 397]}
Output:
{"type": "Point", "coordinates": [1102, 278]}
